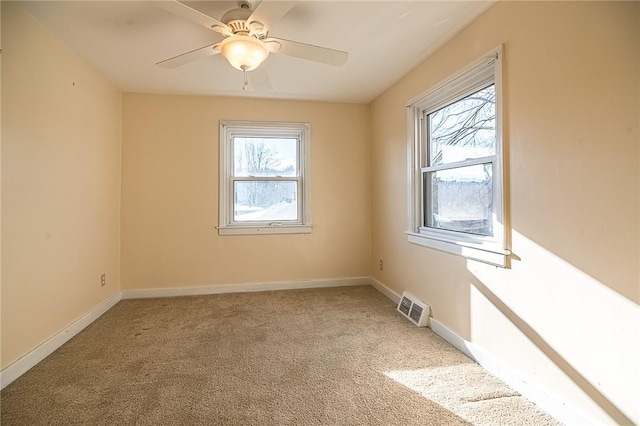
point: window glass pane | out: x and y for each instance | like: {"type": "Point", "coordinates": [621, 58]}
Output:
{"type": "Point", "coordinates": [265, 157]}
{"type": "Point", "coordinates": [464, 130]}
{"type": "Point", "coordinates": [265, 200]}
{"type": "Point", "coordinates": [460, 199]}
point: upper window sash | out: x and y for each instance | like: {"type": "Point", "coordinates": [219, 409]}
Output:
{"type": "Point", "coordinates": [449, 138]}
{"type": "Point", "coordinates": [238, 140]}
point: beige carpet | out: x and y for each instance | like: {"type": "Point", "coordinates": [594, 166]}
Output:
{"type": "Point", "coordinates": [338, 356]}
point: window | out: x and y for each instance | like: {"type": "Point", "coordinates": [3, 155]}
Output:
{"type": "Point", "coordinates": [264, 179]}
{"type": "Point", "coordinates": [455, 146]}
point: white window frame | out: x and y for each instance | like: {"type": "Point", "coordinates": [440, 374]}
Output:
{"type": "Point", "coordinates": [255, 129]}
{"type": "Point", "coordinates": [481, 73]}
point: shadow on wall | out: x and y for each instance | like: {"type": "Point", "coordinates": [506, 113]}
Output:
{"type": "Point", "coordinates": [588, 330]}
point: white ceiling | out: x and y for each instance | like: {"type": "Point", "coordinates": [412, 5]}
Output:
{"type": "Point", "coordinates": [385, 39]}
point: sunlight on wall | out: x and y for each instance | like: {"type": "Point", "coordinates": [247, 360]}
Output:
{"type": "Point", "coordinates": [590, 332]}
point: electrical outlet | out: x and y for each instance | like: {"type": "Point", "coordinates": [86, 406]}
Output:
{"type": "Point", "coordinates": [103, 280]}
{"type": "Point", "coordinates": [381, 265]}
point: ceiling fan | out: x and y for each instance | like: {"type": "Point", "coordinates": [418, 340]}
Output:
{"type": "Point", "coordinates": [246, 42]}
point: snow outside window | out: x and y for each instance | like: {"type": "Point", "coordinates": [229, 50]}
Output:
{"type": "Point", "coordinates": [263, 178]}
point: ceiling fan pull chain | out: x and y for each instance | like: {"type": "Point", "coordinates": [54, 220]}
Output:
{"type": "Point", "coordinates": [244, 85]}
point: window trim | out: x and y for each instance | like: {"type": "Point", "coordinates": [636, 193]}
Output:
{"type": "Point", "coordinates": [230, 129]}
{"type": "Point", "coordinates": [481, 73]}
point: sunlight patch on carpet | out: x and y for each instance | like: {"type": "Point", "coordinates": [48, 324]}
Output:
{"type": "Point", "coordinates": [470, 392]}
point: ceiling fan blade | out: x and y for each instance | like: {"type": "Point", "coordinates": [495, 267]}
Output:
{"type": "Point", "coordinates": [188, 57]}
{"type": "Point", "coordinates": [310, 52]}
{"type": "Point", "coordinates": [269, 12]}
{"type": "Point", "coordinates": [182, 10]}
{"type": "Point", "coordinates": [260, 80]}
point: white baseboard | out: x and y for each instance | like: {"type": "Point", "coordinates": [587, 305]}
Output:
{"type": "Point", "coordinates": [243, 288]}
{"type": "Point", "coordinates": [46, 348]}
{"type": "Point", "coordinates": [385, 290]}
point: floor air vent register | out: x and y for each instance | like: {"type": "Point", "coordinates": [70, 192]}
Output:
{"type": "Point", "coordinates": [414, 309]}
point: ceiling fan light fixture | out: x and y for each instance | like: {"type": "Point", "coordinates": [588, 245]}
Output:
{"type": "Point", "coordinates": [243, 52]}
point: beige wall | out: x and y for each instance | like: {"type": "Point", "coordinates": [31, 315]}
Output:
{"type": "Point", "coordinates": [60, 185]}
{"type": "Point", "coordinates": [566, 314]}
{"type": "Point", "coordinates": [170, 195]}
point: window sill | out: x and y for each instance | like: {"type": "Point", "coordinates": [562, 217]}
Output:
{"type": "Point", "coordinates": [257, 230]}
{"type": "Point", "coordinates": [491, 256]}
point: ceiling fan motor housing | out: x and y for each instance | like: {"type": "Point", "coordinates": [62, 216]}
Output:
{"type": "Point", "coordinates": [236, 19]}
